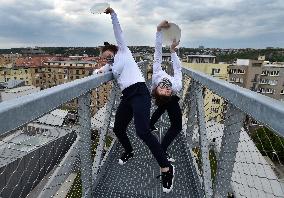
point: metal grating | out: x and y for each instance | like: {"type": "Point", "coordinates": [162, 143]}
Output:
{"type": "Point", "coordinates": [137, 178]}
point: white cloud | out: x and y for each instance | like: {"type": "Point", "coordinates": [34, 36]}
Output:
{"type": "Point", "coordinates": [69, 22]}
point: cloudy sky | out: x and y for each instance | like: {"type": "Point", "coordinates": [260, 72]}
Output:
{"type": "Point", "coordinates": [212, 23]}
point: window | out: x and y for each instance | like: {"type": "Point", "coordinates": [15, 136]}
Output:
{"type": "Point", "coordinates": [77, 72]}
{"type": "Point", "coordinates": [282, 92]}
{"type": "Point", "coordinates": [233, 79]}
{"type": "Point", "coordinates": [263, 81]}
{"type": "Point", "coordinates": [270, 91]}
{"type": "Point", "coordinates": [216, 101]}
{"type": "Point", "coordinates": [215, 71]}
{"type": "Point", "coordinates": [77, 77]}
{"type": "Point", "coordinates": [272, 82]}
{"type": "Point", "coordinates": [241, 71]}
{"type": "Point", "coordinates": [274, 73]}
{"type": "Point", "coordinates": [261, 90]}
{"type": "Point", "coordinates": [264, 73]}
{"type": "Point", "coordinates": [214, 110]}
{"type": "Point", "coordinates": [232, 71]}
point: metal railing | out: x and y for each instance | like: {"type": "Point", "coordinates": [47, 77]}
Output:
{"type": "Point", "coordinates": [222, 138]}
{"type": "Point", "coordinates": [227, 153]}
{"type": "Point", "coordinates": [83, 155]}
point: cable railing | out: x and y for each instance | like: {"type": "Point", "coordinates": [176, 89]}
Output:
{"type": "Point", "coordinates": [233, 139]}
{"type": "Point", "coordinates": [235, 136]}
{"type": "Point", "coordinates": [43, 145]}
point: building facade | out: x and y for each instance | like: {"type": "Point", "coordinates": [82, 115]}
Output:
{"type": "Point", "coordinates": [259, 76]}
{"type": "Point", "coordinates": [271, 81]}
{"type": "Point", "coordinates": [201, 59]}
{"type": "Point", "coordinates": [213, 104]}
{"type": "Point", "coordinates": [7, 60]}
{"type": "Point", "coordinates": [245, 73]}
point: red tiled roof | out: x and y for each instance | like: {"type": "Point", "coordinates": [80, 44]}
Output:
{"type": "Point", "coordinates": [33, 61]}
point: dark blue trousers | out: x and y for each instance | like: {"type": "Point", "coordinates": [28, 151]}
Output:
{"type": "Point", "coordinates": [175, 116]}
{"type": "Point", "coordinates": [136, 102]}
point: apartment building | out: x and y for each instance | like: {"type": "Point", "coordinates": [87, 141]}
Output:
{"type": "Point", "coordinates": [29, 51]}
{"type": "Point", "coordinates": [44, 71]}
{"type": "Point", "coordinates": [245, 73]}
{"type": "Point", "coordinates": [53, 73]}
{"type": "Point", "coordinates": [213, 104]}
{"type": "Point", "coordinates": [260, 76]}
{"type": "Point", "coordinates": [17, 73]}
{"type": "Point", "coordinates": [201, 59]}
{"type": "Point", "coordinates": [271, 81]}
{"type": "Point", "coordinates": [8, 59]}
{"type": "Point", "coordinates": [15, 89]}
{"type": "Point", "coordinates": [8, 94]}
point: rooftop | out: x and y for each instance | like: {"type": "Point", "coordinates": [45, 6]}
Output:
{"type": "Point", "coordinates": [20, 89]}
{"type": "Point", "coordinates": [201, 56]}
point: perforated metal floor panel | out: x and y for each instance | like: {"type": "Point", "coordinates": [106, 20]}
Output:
{"type": "Point", "coordinates": [137, 178]}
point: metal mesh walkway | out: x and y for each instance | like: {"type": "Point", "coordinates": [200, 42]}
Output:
{"type": "Point", "coordinates": [137, 178]}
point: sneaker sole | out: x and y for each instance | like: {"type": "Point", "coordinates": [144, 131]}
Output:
{"type": "Point", "coordinates": [120, 162]}
{"type": "Point", "coordinates": [171, 160]}
{"type": "Point", "coordinates": [166, 190]}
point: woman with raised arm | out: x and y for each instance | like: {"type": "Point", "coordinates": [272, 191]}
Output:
{"type": "Point", "coordinates": [135, 102]}
{"type": "Point", "coordinates": [165, 89]}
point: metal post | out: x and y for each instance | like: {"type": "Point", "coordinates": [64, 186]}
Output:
{"type": "Point", "coordinates": [103, 131]}
{"type": "Point", "coordinates": [206, 170]}
{"type": "Point", "coordinates": [230, 140]}
{"type": "Point", "coordinates": [191, 114]}
{"type": "Point", "coordinates": [85, 142]}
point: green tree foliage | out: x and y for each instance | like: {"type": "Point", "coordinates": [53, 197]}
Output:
{"type": "Point", "coordinates": [269, 143]}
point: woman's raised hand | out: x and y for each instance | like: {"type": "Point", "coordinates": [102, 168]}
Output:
{"type": "Point", "coordinates": [109, 10]}
{"type": "Point", "coordinates": [174, 45]}
{"type": "Point", "coordinates": [163, 24]}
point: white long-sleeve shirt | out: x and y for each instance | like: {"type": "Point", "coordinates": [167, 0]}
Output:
{"type": "Point", "coordinates": [159, 73]}
{"type": "Point", "coordinates": [124, 68]}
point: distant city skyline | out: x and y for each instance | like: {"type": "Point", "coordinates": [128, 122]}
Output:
{"type": "Point", "coordinates": [212, 24]}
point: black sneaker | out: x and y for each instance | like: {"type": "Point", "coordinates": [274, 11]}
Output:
{"type": "Point", "coordinates": [168, 179]}
{"type": "Point", "coordinates": [125, 157]}
{"type": "Point", "coordinates": [170, 159]}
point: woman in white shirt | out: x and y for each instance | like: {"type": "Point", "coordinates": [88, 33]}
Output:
{"type": "Point", "coordinates": [165, 89]}
{"type": "Point", "coordinates": [135, 102]}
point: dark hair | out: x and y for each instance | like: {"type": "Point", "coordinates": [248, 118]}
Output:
{"type": "Point", "coordinates": [110, 47]}
{"type": "Point", "coordinates": [160, 100]}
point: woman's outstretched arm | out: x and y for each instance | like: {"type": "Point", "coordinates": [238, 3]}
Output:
{"type": "Point", "coordinates": [117, 29]}
{"type": "Point", "coordinates": [176, 66]}
{"type": "Point", "coordinates": [158, 47]}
